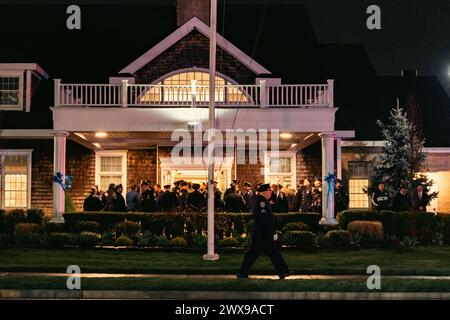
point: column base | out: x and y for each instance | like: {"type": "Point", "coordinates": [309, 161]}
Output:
{"type": "Point", "coordinates": [211, 257]}
{"type": "Point", "coordinates": [329, 221]}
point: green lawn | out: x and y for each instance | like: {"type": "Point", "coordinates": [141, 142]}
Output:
{"type": "Point", "coordinates": [411, 261]}
{"type": "Point", "coordinates": [388, 285]}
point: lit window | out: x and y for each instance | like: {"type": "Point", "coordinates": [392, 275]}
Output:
{"type": "Point", "coordinates": [110, 168]}
{"type": "Point", "coordinates": [178, 88]}
{"type": "Point", "coordinates": [10, 91]}
{"type": "Point", "coordinates": [358, 199]}
{"type": "Point", "coordinates": [14, 178]}
{"type": "Point", "coordinates": [281, 169]}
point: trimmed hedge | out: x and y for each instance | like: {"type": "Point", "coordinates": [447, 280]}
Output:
{"type": "Point", "coordinates": [174, 225]}
{"type": "Point", "coordinates": [420, 225]}
{"type": "Point", "coordinates": [303, 239]}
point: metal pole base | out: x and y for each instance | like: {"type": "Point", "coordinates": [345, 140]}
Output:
{"type": "Point", "coordinates": [329, 221]}
{"type": "Point", "coordinates": [211, 257]}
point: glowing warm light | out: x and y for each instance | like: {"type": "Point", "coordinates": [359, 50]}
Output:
{"type": "Point", "coordinates": [192, 123]}
{"type": "Point", "coordinates": [101, 134]}
{"type": "Point", "coordinates": [293, 145]}
{"type": "Point", "coordinates": [97, 145]}
{"type": "Point", "coordinates": [82, 136]}
{"type": "Point", "coordinates": [285, 135]}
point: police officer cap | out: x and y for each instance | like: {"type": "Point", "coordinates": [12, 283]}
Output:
{"type": "Point", "coordinates": [183, 183]}
{"type": "Point", "coordinates": [338, 180]}
{"type": "Point", "coordinates": [118, 186]}
{"type": "Point", "coordinates": [263, 187]}
{"type": "Point", "coordinates": [196, 186]}
{"type": "Point", "coordinates": [167, 186]}
{"type": "Point", "coordinates": [235, 181]}
{"type": "Point", "coordinates": [247, 184]}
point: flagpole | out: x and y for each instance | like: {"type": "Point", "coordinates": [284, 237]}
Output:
{"type": "Point", "coordinates": [211, 255]}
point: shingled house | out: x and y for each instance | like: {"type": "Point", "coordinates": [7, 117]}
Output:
{"type": "Point", "coordinates": [119, 129]}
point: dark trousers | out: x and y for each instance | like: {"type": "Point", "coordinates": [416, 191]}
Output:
{"type": "Point", "coordinates": [260, 245]}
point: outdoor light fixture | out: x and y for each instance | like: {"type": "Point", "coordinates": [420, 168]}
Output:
{"type": "Point", "coordinates": [97, 145]}
{"type": "Point", "coordinates": [101, 134]}
{"type": "Point", "coordinates": [286, 135]}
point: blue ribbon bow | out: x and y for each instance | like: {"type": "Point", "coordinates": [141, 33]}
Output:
{"type": "Point", "coordinates": [331, 180]}
{"type": "Point", "coordinates": [66, 183]}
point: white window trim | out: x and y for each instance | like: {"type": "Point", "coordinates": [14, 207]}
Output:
{"type": "Point", "coordinates": [24, 152]}
{"type": "Point", "coordinates": [111, 153]}
{"type": "Point", "coordinates": [19, 106]}
{"type": "Point", "coordinates": [281, 154]}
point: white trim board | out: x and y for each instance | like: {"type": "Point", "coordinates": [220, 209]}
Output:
{"type": "Point", "coordinates": [180, 33]}
{"type": "Point", "coordinates": [38, 71]}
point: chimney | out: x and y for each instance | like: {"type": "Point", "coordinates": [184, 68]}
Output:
{"type": "Point", "coordinates": [186, 9]}
{"type": "Point", "coordinates": [410, 73]}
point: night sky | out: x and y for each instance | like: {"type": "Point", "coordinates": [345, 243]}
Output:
{"type": "Point", "coordinates": [415, 33]}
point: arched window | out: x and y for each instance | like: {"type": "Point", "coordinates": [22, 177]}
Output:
{"type": "Point", "coordinates": [179, 87]}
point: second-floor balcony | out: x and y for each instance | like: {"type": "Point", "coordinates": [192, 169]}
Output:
{"type": "Point", "coordinates": [260, 95]}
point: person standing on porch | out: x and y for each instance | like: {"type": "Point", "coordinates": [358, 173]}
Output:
{"type": "Point", "coordinates": [132, 198]}
{"type": "Point", "coordinates": [196, 200]}
{"type": "Point", "coordinates": [93, 201]}
{"type": "Point", "coordinates": [278, 201]}
{"type": "Point", "coordinates": [167, 200]}
{"type": "Point", "coordinates": [109, 198]}
{"type": "Point", "coordinates": [249, 196]}
{"type": "Point", "coordinates": [119, 204]}
{"type": "Point", "coordinates": [264, 236]}
{"type": "Point", "coordinates": [183, 193]}
{"type": "Point", "coordinates": [420, 199]}
{"type": "Point", "coordinates": [380, 198]}
{"type": "Point", "coordinates": [316, 204]}
{"type": "Point", "coordinates": [401, 201]}
{"type": "Point", "coordinates": [303, 197]}
{"type": "Point", "coordinates": [148, 201]}
{"type": "Point", "coordinates": [341, 198]}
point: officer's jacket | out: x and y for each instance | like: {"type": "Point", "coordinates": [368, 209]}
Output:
{"type": "Point", "coordinates": [263, 219]}
{"type": "Point", "coordinates": [196, 200]}
{"type": "Point", "coordinates": [380, 200]}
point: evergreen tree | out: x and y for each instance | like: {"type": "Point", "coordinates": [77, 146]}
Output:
{"type": "Point", "coordinates": [403, 161]}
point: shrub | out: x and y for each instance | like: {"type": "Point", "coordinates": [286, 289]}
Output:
{"type": "Point", "coordinates": [162, 241]}
{"type": "Point", "coordinates": [11, 218]}
{"type": "Point", "coordinates": [147, 239]}
{"type": "Point", "coordinates": [304, 239]}
{"type": "Point", "coordinates": [178, 242]}
{"type": "Point", "coordinates": [437, 239]}
{"type": "Point", "coordinates": [88, 226]}
{"type": "Point", "coordinates": [62, 239]}
{"type": "Point", "coordinates": [410, 241]}
{"type": "Point", "coordinates": [339, 238]}
{"type": "Point", "coordinates": [174, 224]}
{"type": "Point", "coordinates": [30, 238]}
{"type": "Point", "coordinates": [154, 223]}
{"type": "Point", "coordinates": [54, 227]}
{"type": "Point", "coordinates": [28, 228]}
{"type": "Point", "coordinates": [107, 238]}
{"type": "Point", "coordinates": [224, 224]}
{"type": "Point", "coordinates": [369, 229]}
{"type": "Point", "coordinates": [295, 226]}
{"type": "Point", "coordinates": [89, 239]}
{"type": "Point", "coordinates": [199, 241]}
{"type": "Point", "coordinates": [347, 216]}
{"type": "Point", "coordinates": [35, 216]}
{"type": "Point", "coordinates": [230, 242]}
{"type": "Point", "coordinates": [310, 219]}
{"type": "Point", "coordinates": [124, 241]}
{"type": "Point", "coordinates": [128, 228]}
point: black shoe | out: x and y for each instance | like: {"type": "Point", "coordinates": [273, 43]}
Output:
{"type": "Point", "coordinates": [241, 276]}
{"type": "Point", "coordinates": [284, 275]}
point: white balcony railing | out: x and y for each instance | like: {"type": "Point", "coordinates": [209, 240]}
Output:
{"type": "Point", "coordinates": [227, 95]}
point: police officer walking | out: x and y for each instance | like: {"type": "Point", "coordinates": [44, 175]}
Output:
{"type": "Point", "coordinates": [264, 236]}
{"type": "Point", "coordinates": [380, 198]}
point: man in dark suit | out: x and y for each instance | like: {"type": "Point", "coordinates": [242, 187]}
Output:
{"type": "Point", "coordinates": [401, 201]}
{"type": "Point", "coordinates": [148, 200]}
{"type": "Point", "coordinates": [380, 198]}
{"type": "Point", "coordinates": [249, 196]}
{"type": "Point", "coordinates": [119, 205]}
{"type": "Point", "coordinates": [167, 200]}
{"type": "Point", "coordinates": [264, 236]}
{"type": "Point", "coordinates": [420, 199]}
{"type": "Point", "coordinates": [278, 201]}
{"type": "Point", "coordinates": [234, 202]}
{"type": "Point", "coordinates": [341, 198]}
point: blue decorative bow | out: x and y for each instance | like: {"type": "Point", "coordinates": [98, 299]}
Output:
{"type": "Point", "coordinates": [66, 183]}
{"type": "Point", "coordinates": [331, 180]}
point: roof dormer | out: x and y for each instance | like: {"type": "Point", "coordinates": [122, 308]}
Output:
{"type": "Point", "coordinates": [18, 82]}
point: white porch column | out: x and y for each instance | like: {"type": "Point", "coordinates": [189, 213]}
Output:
{"type": "Point", "coordinates": [339, 158]}
{"type": "Point", "coordinates": [327, 167]}
{"type": "Point", "coordinates": [59, 164]}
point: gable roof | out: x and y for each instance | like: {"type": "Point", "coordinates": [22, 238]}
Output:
{"type": "Point", "coordinates": [180, 33]}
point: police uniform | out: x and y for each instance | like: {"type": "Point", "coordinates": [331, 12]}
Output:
{"type": "Point", "coordinates": [341, 200]}
{"type": "Point", "coordinates": [196, 200]}
{"type": "Point", "coordinates": [316, 204]}
{"type": "Point", "coordinates": [262, 238]}
{"type": "Point", "coordinates": [303, 199]}
{"type": "Point", "coordinates": [249, 197]}
{"type": "Point", "coordinates": [148, 200]}
{"type": "Point", "coordinates": [167, 200]}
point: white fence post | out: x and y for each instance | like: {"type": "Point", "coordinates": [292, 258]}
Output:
{"type": "Point", "coordinates": [57, 88]}
{"type": "Point", "coordinates": [124, 93]}
{"type": "Point", "coordinates": [262, 98]}
{"type": "Point", "coordinates": [330, 91]}
{"type": "Point", "coordinates": [194, 93]}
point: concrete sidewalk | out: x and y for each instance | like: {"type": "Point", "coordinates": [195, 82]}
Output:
{"type": "Point", "coordinates": [216, 277]}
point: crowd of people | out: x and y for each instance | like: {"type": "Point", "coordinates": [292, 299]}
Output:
{"type": "Point", "coordinates": [402, 201]}
{"type": "Point", "coordinates": [184, 195]}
